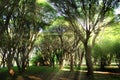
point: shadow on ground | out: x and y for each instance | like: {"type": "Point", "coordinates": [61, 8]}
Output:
{"type": "Point", "coordinates": [76, 75]}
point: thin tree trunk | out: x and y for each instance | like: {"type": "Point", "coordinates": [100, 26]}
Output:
{"type": "Point", "coordinates": [102, 63]}
{"type": "Point", "coordinates": [18, 64]}
{"type": "Point", "coordinates": [80, 58]}
{"type": "Point", "coordinates": [61, 63]}
{"type": "Point", "coordinates": [71, 62]}
{"type": "Point", "coordinates": [3, 62]}
{"type": "Point", "coordinates": [53, 61]}
{"type": "Point", "coordinates": [24, 64]}
{"type": "Point", "coordinates": [110, 59]}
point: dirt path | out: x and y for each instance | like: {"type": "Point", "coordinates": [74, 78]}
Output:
{"type": "Point", "coordinates": [62, 75]}
{"type": "Point", "coordinates": [67, 75]}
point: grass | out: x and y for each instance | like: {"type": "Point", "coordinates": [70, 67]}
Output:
{"type": "Point", "coordinates": [47, 73]}
{"type": "Point", "coordinates": [41, 69]}
{"type": "Point", "coordinates": [3, 73]}
{"type": "Point", "coordinates": [32, 70]}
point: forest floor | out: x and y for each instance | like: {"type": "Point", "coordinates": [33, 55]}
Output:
{"type": "Point", "coordinates": [47, 73]}
{"type": "Point", "coordinates": [74, 75]}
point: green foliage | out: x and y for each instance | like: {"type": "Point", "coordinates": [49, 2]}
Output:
{"type": "Point", "coordinates": [47, 6]}
{"type": "Point", "coordinates": [97, 51]}
{"type": "Point", "coordinates": [112, 31]}
{"type": "Point", "coordinates": [36, 59]}
{"type": "Point", "coordinates": [39, 59]}
{"type": "Point", "coordinates": [108, 46]}
{"type": "Point", "coordinates": [116, 51]}
{"type": "Point", "coordinates": [20, 22]}
{"type": "Point", "coordinates": [103, 52]}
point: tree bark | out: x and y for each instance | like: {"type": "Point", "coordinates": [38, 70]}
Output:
{"type": "Point", "coordinates": [10, 67]}
{"type": "Point", "coordinates": [88, 59]}
{"type": "Point", "coordinates": [61, 63]}
{"type": "Point", "coordinates": [71, 62]}
{"type": "Point", "coordinates": [81, 55]}
{"type": "Point", "coordinates": [18, 64]}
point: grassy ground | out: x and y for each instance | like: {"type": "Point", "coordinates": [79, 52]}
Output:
{"type": "Point", "coordinates": [48, 73]}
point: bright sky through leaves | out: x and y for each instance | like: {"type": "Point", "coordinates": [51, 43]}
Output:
{"type": "Point", "coordinates": [117, 11]}
{"type": "Point", "coordinates": [41, 1]}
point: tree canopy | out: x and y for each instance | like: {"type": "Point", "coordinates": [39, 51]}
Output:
{"type": "Point", "coordinates": [58, 31]}
{"type": "Point", "coordinates": [86, 17]}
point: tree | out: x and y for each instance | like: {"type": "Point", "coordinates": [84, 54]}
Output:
{"type": "Point", "coordinates": [60, 41]}
{"type": "Point", "coordinates": [86, 18]}
{"type": "Point", "coordinates": [7, 42]}
{"type": "Point", "coordinates": [102, 53]}
{"type": "Point", "coordinates": [21, 22]}
{"type": "Point", "coordinates": [116, 51]}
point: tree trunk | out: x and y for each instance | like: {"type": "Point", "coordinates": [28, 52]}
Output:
{"type": "Point", "coordinates": [80, 58]}
{"type": "Point", "coordinates": [3, 60]}
{"type": "Point", "coordinates": [61, 63]}
{"type": "Point", "coordinates": [110, 59]}
{"type": "Point", "coordinates": [24, 64]}
{"type": "Point", "coordinates": [2, 63]}
{"type": "Point", "coordinates": [18, 65]}
{"type": "Point", "coordinates": [71, 62]}
{"type": "Point", "coordinates": [10, 67]}
{"type": "Point", "coordinates": [52, 62]}
{"type": "Point", "coordinates": [102, 63]}
{"type": "Point", "coordinates": [88, 59]}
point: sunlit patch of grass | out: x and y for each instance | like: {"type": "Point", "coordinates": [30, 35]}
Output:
{"type": "Point", "coordinates": [75, 68]}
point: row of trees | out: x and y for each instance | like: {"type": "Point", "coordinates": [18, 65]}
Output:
{"type": "Point", "coordinates": [104, 53]}
{"type": "Point", "coordinates": [59, 41]}
{"type": "Point", "coordinates": [86, 18]}
{"type": "Point", "coordinates": [20, 23]}
{"type": "Point", "coordinates": [69, 29]}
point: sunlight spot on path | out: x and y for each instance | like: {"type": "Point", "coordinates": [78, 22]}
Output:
{"type": "Point", "coordinates": [56, 75]}
{"type": "Point", "coordinates": [34, 78]}
{"type": "Point", "coordinates": [19, 78]}
{"type": "Point", "coordinates": [100, 72]}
